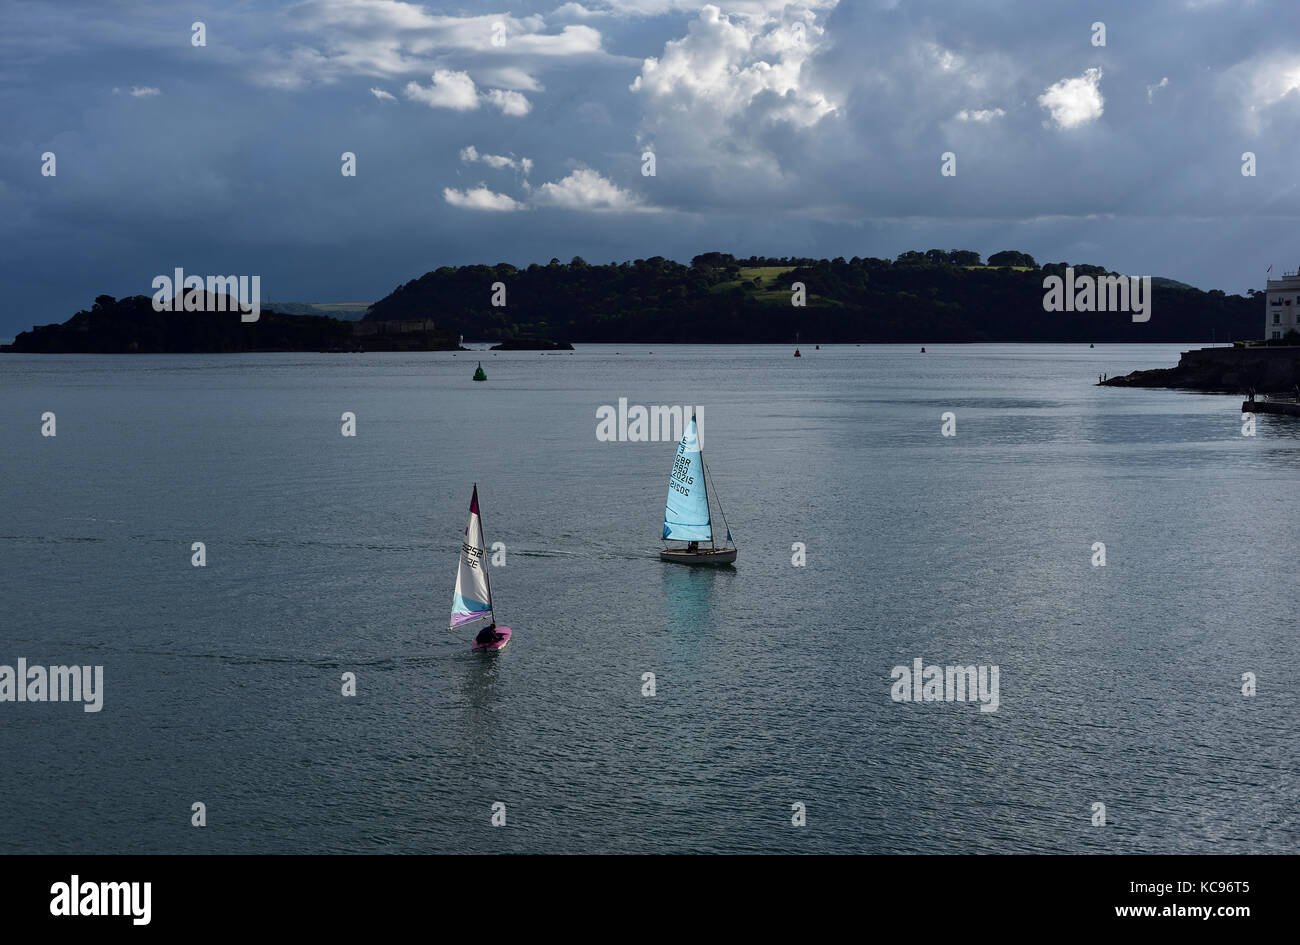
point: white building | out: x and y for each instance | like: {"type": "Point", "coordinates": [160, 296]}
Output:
{"type": "Point", "coordinates": [1282, 310]}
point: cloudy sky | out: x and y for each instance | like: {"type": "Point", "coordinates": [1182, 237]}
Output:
{"type": "Point", "coordinates": [483, 134]}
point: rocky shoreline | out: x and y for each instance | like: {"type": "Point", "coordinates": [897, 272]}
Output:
{"type": "Point", "coordinates": [1265, 370]}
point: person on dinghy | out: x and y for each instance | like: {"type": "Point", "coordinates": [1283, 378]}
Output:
{"type": "Point", "coordinates": [693, 547]}
{"type": "Point", "coordinates": [488, 635]}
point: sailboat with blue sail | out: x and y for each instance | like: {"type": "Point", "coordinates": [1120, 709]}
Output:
{"type": "Point", "coordinates": [686, 514]}
{"type": "Point", "coordinates": [472, 599]}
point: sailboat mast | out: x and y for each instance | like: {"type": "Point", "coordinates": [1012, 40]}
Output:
{"type": "Point", "coordinates": [704, 478]}
{"type": "Point", "coordinates": [487, 571]}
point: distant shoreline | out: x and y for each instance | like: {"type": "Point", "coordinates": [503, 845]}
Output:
{"type": "Point", "coordinates": [936, 297]}
{"type": "Point", "coordinates": [486, 347]}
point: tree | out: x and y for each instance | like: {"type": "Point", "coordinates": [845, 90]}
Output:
{"type": "Point", "coordinates": [1012, 257]}
{"type": "Point", "coordinates": [713, 260]}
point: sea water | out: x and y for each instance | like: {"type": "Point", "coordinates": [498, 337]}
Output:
{"type": "Point", "coordinates": [644, 706]}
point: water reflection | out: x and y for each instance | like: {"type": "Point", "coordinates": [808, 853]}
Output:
{"type": "Point", "coordinates": [689, 604]}
{"type": "Point", "coordinates": [479, 689]}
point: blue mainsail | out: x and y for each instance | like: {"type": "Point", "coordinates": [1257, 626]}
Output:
{"type": "Point", "coordinates": [686, 514]}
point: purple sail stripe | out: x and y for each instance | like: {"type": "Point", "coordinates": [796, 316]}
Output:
{"type": "Point", "coordinates": [458, 619]}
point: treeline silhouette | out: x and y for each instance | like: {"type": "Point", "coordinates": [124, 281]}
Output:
{"type": "Point", "coordinates": [131, 326]}
{"type": "Point", "coordinates": [919, 297]}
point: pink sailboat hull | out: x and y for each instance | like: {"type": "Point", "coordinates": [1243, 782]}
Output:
{"type": "Point", "coordinates": [499, 644]}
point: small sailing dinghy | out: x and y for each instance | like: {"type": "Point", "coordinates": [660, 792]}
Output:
{"type": "Point", "coordinates": [686, 514]}
{"type": "Point", "coordinates": [472, 600]}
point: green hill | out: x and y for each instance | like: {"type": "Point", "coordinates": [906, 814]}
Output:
{"type": "Point", "coordinates": [934, 296]}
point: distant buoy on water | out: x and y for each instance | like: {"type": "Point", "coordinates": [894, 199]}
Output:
{"type": "Point", "coordinates": [1092, 346]}
{"type": "Point", "coordinates": [478, 373]}
{"type": "Point", "coordinates": [818, 348]}
{"type": "Point", "coordinates": [797, 354]}
{"type": "Point", "coordinates": [923, 351]}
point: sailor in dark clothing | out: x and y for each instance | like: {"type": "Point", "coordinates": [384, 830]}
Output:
{"type": "Point", "coordinates": [693, 546]}
{"type": "Point", "coordinates": [488, 635]}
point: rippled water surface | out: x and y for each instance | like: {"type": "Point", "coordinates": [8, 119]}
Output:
{"type": "Point", "coordinates": [1118, 685]}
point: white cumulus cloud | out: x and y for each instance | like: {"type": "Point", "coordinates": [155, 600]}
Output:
{"type": "Point", "coordinates": [755, 9]}
{"type": "Point", "coordinates": [480, 198]}
{"type": "Point", "coordinates": [724, 64]}
{"type": "Point", "coordinates": [510, 103]}
{"type": "Point", "coordinates": [383, 96]}
{"type": "Point", "coordinates": [1075, 102]}
{"type": "Point", "coordinates": [450, 89]}
{"type": "Point", "coordinates": [734, 98]}
{"type": "Point", "coordinates": [585, 189]}
{"type": "Point", "coordinates": [576, 11]}
{"type": "Point", "coordinates": [471, 155]}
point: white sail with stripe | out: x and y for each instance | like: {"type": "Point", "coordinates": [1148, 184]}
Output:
{"type": "Point", "coordinates": [473, 596]}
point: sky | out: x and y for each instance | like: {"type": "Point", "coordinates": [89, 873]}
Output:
{"type": "Point", "coordinates": [483, 134]}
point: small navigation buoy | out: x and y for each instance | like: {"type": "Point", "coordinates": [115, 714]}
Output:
{"type": "Point", "coordinates": [1092, 346]}
{"type": "Point", "coordinates": [818, 348]}
{"type": "Point", "coordinates": [478, 373]}
{"type": "Point", "coordinates": [923, 351]}
{"type": "Point", "coordinates": [797, 354]}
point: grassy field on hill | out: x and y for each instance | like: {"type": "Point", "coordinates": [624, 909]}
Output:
{"type": "Point", "coordinates": [768, 290]}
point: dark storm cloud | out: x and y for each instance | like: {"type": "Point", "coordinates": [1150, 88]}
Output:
{"type": "Point", "coordinates": [225, 159]}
